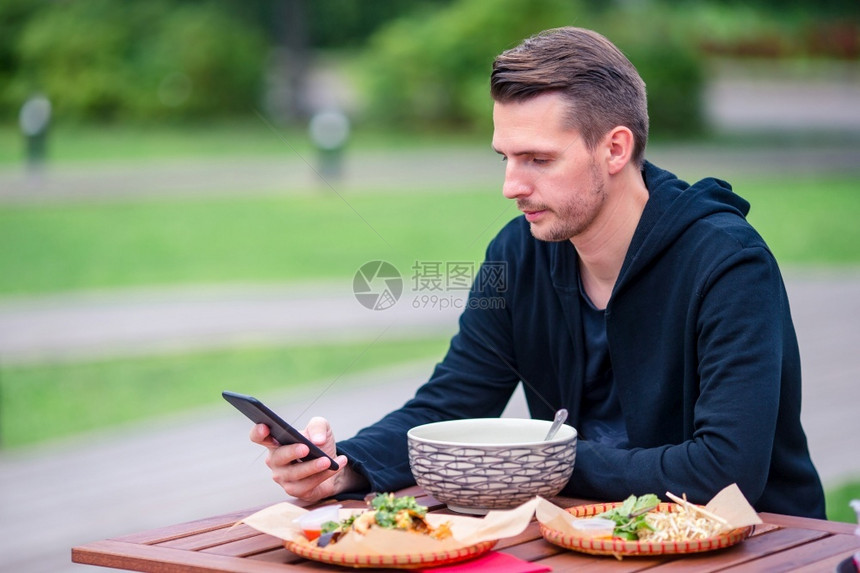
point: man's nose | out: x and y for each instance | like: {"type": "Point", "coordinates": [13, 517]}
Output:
{"type": "Point", "coordinates": [515, 184]}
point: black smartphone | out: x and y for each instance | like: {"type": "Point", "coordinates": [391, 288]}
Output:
{"type": "Point", "coordinates": [280, 430]}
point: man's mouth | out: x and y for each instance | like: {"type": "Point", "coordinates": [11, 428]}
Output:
{"type": "Point", "coordinates": [532, 212]}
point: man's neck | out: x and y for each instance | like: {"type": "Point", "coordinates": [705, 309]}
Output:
{"type": "Point", "coordinates": [603, 247]}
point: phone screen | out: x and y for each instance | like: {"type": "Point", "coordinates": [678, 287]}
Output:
{"type": "Point", "coordinates": [283, 432]}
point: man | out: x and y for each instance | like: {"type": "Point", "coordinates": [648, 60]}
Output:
{"type": "Point", "coordinates": [647, 307]}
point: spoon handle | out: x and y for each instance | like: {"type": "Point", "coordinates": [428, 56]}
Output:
{"type": "Point", "coordinates": [560, 418]}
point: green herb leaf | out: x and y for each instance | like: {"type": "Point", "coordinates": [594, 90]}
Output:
{"type": "Point", "coordinates": [387, 507]}
{"type": "Point", "coordinates": [330, 526]}
{"type": "Point", "coordinates": [627, 527]}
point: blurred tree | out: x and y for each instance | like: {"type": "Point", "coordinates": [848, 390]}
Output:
{"type": "Point", "coordinates": [299, 30]}
{"type": "Point", "coordinates": [432, 68]}
{"type": "Point", "coordinates": [667, 56]}
{"type": "Point", "coordinates": [764, 29]}
{"type": "Point", "coordinates": [13, 15]}
{"type": "Point", "coordinates": [173, 58]}
{"type": "Point", "coordinates": [99, 59]}
{"type": "Point", "coordinates": [849, 8]}
{"type": "Point", "coordinates": [291, 62]}
{"type": "Point", "coordinates": [200, 62]}
{"type": "Point", "coordinates": [349, 23]}
{"type": "Point", "coordinates": [426, 64]}
{"type": "Point", "coordinates": [74, 53]}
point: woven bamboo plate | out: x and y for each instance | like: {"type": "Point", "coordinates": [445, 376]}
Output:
{"type": "Point", "coordinates": [621, 547]}
{"type": "Point", "coordinates": [409, 561]}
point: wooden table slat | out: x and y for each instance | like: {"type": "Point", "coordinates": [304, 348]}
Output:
{"type": "Point", "coordinates": [210, 538]}
{"type": "Point", "coordinates": [170, 532]}
{"type": "Point", "coordinates": [807, 523]}
{"type": "Point", "coordinates": [280, 555]}
{"type": "Point", "coordinates": [531, 532]}
{"type": "Point", "coordinates": [584, 563]}
{"type": "Point", "coordinates": [830, 564]}
{"type": "Point", "coordinates": [153, 559]}
{"type": "Point", "coordinates": [259, 543]}
{"type": "Point", "coordinates": [534, 550]}
{"type": "Point", "coordinates": [807, 554]}
{"type": "Point", "coordinates": [747, 551]}
{"type": "Point", "coordinates": [763, 528]}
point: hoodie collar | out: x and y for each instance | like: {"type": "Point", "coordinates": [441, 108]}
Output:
{"type": "Point", "coordinates": [673, 205]}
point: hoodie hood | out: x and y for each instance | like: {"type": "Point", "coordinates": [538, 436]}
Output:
{"type": "Point", "coordinates": [673, 205]}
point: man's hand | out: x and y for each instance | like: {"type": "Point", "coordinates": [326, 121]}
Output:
{"type": "Point", "coordinates": [310, 480]}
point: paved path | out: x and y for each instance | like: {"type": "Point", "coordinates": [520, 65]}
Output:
{"type": "Point", "coordinates": [404, 170]}
{"type": "Point", "coordinates": [200, 463]}
{"type": "Point", "coordinates": [86, 325]}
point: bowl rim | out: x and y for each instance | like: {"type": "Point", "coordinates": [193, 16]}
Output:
{"type": "Point", "coordinates": [410, 434]}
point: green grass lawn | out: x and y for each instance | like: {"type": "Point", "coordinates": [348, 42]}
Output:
{"type": "Point", "coordinates": [101, 245]}
{"type": "Point", "coordinates": [48, 401]}
{"type": "Point", "coordinates": [68, 144]}
{"type": "Point", "coordinates": [76, 245]}
{"type": "Point", "coordinates": [807, 221]}
{"type": "Point", "coordinates": [838, 500]}
{"type": "Point", "coordinates": [250, 137]}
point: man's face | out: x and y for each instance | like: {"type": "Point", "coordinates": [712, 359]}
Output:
{"type": "Point", "coordinates": [554, 178]}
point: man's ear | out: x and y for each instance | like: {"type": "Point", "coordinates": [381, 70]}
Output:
{"type": "Point", "coordinates": [618, 144]}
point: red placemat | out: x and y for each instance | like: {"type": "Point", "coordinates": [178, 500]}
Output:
{"type": "Point", "coordinates": [492, 562]}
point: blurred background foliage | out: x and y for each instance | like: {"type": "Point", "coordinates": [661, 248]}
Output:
{"type": "Point", "coordinates": [102, 60]}
{"type": "Point", "coordinates": [412, 63]}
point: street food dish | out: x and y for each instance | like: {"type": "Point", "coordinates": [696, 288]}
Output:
{"type": "Point", "coordinates": [388, 512]}
{"type": "Point", "coordinates": [392, 532]}
{"type": "Point", "coordinates": [668, 519]}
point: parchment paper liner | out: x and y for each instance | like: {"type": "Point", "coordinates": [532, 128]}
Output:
{"type": "Point", "coordinates": [729, 505]}
{"type": "Point", "coordinates": [277, 520]}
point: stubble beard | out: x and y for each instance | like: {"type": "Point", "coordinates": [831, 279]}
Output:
{"type": "Point", "coordinates": [573, 217]}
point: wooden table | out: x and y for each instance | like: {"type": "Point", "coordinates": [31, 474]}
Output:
{"type": "Point", "coordinates": [782, 543]}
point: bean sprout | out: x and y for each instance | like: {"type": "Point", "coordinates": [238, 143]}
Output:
{"type": "Point", "coordinates": [680, 524]}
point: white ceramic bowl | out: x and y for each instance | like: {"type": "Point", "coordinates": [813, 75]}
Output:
{"type": "Point", "coordinates": [480, 464]}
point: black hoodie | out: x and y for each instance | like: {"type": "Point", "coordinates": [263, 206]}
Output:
{"type": "Point", "coordinates": [702, 346]}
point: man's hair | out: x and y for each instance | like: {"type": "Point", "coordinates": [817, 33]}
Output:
{"type": "Point", "coordinates": [602, 87]}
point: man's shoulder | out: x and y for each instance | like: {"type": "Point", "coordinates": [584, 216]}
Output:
{"type": "Point", "coordinates": [707, 212]}
{"type": "Point", "coordinates": [725, 229]}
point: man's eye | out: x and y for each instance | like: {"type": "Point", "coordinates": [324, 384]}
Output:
{"type": "Point", "coordinates": [504, 158]}
{"type": "Point", "coordinates": [539, 161]}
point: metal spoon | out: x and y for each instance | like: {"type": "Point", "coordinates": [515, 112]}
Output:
{"type": "Point", "coordinates": [559, 419]}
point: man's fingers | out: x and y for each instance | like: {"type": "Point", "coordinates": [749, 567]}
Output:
{"type": "Point", "coordinates": [311, 480]}
{"type": "Point", "coordinates": [318, 430]}
{"type": "Point", "coordinates": [260, 435]}
{"type": "Point", "coordinates": [286, 455]}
